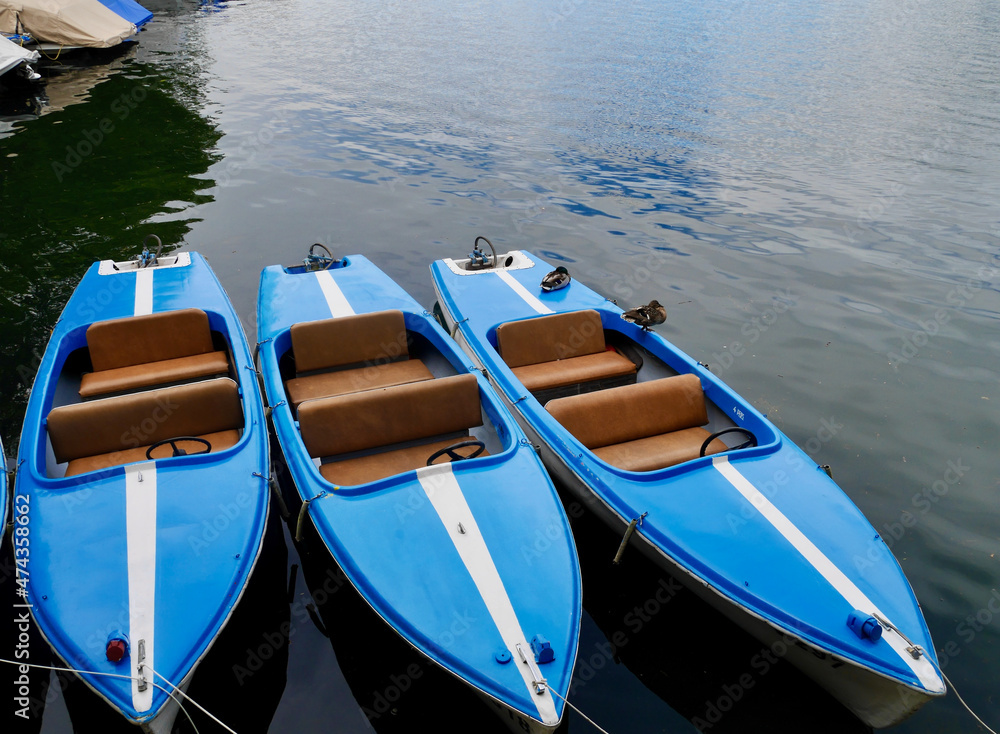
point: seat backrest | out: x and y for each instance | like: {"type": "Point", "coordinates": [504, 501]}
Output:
{"type": "Point", "coordinates": [548, 338]}
{"type": "Point", "coordinates": [631, 412]}
{"type": "Point", "coordinates": [141, 419]}
{"type": "Point", "coordinates": [151, 338]}
{"type": "Point", "coordinates": [382, 417]}
{"type": "Point", "coordinates": [369, 337]}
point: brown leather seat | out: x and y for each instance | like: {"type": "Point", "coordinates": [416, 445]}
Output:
{"type": "Point", "coordinates": [417, 413]}
{"type": "Point", "coordinates": [641, 427]}
{"type": "Point", "coordinates": [350, 354]}
{"type": "Point", "coordinates": [550, 352]}
{"type": "Point", "coordinates": [155, 349]}
{"type": "Point", "coordinates": [108, 432]}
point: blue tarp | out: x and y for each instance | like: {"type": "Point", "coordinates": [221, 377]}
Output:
{"type": "Point", "coordinates": [130, 10]}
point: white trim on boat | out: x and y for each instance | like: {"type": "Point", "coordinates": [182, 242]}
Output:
{"type": "Point", "coordinates": [144, 292]}
{"type": "Point", "coordinates": [523, 292]}
{"type": "Point", "coordinates": [921, 667]}
{"type": "Point", "coordinates": [140, 540]}
{"type": "Point", "coordinates": [335, 298]}
{"type": "Point", "coordinates": [445, 495]}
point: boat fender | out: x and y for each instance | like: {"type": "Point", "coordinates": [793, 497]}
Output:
{"type": "Point", "coordinates": [864, 625]}
{"type": "Point", "coordinates": [116, 649]}
{"type": "Point", "coordinates": [542, 649]}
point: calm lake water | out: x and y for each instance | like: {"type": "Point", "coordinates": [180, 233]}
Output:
{"type": "Point", "coordinates": [812, 190]}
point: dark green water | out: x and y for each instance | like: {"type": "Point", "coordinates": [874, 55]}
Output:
{"type": "Point", "coordinates": [813, 193]}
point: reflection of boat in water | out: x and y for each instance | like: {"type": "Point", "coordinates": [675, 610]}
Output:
{"type": "Point", "coordinates": [686, 653]}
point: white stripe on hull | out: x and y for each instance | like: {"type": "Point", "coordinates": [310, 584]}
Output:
{"type": "Point", "coordinates": [335, 298]}
{"type": "Point", "coordinates": [140, 540]}
{"type": "Point", "coordinates": [921, 667]}
{"type": "Point", "coordinates": [523, 292]}
{"type": "Point", "coordinates": [143, 292]}
{"type": "Point", "coordinates": [446, 497]}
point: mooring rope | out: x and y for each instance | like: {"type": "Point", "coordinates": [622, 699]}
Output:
{"type": "Point", "coordinates": [191, 700]}
{"type": "Point", "coordinates": [125, 677]}
{"type": "Point", "coordinates": [590, 720]}
{"type": "Point", "coordinates": [962, 701]}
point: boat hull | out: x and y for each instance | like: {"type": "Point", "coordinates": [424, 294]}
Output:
{"type": "Point", "coordinates": [151, 554]}
{"type": "Point", "coordinates": [676, 533]}
{"type": "Point", "coordinates": [444, 554]}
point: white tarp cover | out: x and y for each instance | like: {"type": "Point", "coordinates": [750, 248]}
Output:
{"type": "Point", "coordinates": [66, 22]}
{"type": "Point", "coordinates": [11, 55]}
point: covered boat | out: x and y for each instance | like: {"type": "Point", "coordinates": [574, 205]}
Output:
{"type": "Point", "coordinates": [130, 10]}
{"type": "Point", "coordinates": [694, 475]}
{"type": "Point", "coordinates": [144, 466]}
{"type": "Point", "coordinates": [14, 59]}
{"type": "Point", "coordinates": [420, 484]}
{"type": "Point", "coordinates": [65, 23]}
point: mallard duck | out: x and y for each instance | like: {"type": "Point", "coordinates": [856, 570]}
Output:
{"type": "Point", "coordinates": [558, 278]}
{"type": "Point", "coordinates": [645, 316]}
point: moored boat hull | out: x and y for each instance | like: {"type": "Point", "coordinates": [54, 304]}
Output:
{"type": "Point", "coordinates": [444, 553]}
{"type": "Point", "coordinates": [136, 563]}
{"type": "Point", "coordinates": [665, 508]}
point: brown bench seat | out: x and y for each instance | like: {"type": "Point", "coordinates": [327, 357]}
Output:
{"type": "Point", "coordinates": [349, 354]}
{"type": "Point", "coordinates": [99, 434]}
{"type": "Point", "coordinates": [641, 427]}
{"type": "Point", "coordinates": [156, 349]}
{"type": "Point", "coordinates": [551, 353]}
{"type": "Point", "coordinates": [362, 423]}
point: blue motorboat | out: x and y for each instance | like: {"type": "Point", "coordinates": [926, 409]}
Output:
{"type": "Point", "coordinates": [696, 477]}
{"type": "Point", "coordinates": [420, 484]}
{"type": "Point", "coordinates": [142, 479]}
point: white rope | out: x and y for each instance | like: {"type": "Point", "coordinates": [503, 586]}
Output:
{"type": "Point", "coordinates": [962, 701]}
{"type": "Point", "coordinates": [191, 700]}
{"type": "Point", "coordinates": [114, 675]}
{"type": "Point", "coordinates": [591, 721]}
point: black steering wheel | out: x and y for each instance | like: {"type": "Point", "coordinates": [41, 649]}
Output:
{"type": "Point", "coordinates": [453, 453]}
{"type": "Point", "coordinates": [319, 262]}
{"type": "Point", "coordinates": [750, 442]}
{"type": "Point", "coordinates": [178, 451]}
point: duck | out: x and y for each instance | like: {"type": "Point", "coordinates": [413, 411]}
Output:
{"type": "Point", "coordinates": [645, 316]}
{"type": "Point", "coordinates": [558, 278]}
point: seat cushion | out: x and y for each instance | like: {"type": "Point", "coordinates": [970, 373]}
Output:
{"type": "Point", "coordinates": [370, 337]}
{"type": "Point", "coordinates": [575, 370]}
{"type": "Point", "coordinates": [631, 412]}
{"type": "Point", "coordinates": [219, 441]}
{"type": "Point", "coordinates": [328, 384]}
{"type": "Point", "coordinates": [365, 420]}
{"type": "Point", "coordinates": [115, 425]}
{"type": "Point", "coordinates": [659, 452]}
{"type": "Point", "coordinates": [137, 376]}
{"type": "Point", "coordinates": [371, 468]}
{"type": "Point", "coordinates": [550, 338]}
{"type": "Point", "coordinates": [150, 338]}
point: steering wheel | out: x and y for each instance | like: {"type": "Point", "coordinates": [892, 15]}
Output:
{"type": "Point", "coordinates": [147, 258]}
{"type": "Point", "coordinates": [319, 262]}
{"type": "Point", "coordinates": [752, 439]}
{"type": "Point", "coordinates": [453, 453]}
{"type": "Point", "coordinates": [177, 450]}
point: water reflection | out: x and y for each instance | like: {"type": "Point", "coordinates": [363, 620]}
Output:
{"type": "Point", "coordinates": [695, 660]}
{"type": "Point", "coordinates": [77, 186]}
